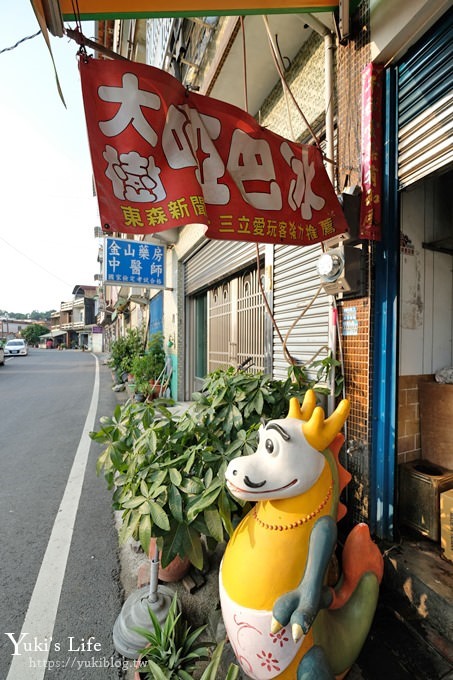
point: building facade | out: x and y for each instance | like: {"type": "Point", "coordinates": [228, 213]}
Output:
{"type": "Point", "coordinates": [389, 319]}
{"type": "Point", "coordinates": [74, 325]}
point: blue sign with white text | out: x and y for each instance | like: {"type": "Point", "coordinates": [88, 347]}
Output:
{"type": "Point", "coordinates": [133, 262]}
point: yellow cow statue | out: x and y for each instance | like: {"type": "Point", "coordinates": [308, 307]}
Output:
{"type": "Point", "coordinates": [282, 619]}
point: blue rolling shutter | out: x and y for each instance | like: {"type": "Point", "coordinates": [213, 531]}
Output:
{"type": "Point", "coordinates": [425, 104]}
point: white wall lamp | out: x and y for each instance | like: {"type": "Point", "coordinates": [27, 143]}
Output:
{"type": "Point", "coordinates": [340, 269]}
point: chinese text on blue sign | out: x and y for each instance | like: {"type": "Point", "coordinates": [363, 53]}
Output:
{"type": "Point", "coordinates": [133, 262]}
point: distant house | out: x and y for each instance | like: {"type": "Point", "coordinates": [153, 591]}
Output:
{"type": "Point", "coordinates": [74, 325]}
{"type": "Point", "coordinates": [11, 328]}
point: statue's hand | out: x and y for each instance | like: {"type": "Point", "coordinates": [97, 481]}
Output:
{"type": "Point", "coordinates": [300, 607]}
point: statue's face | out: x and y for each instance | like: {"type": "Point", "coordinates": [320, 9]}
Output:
{"type": "Point", "coordinates": [284, 464]}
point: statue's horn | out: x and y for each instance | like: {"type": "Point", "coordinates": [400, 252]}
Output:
{"type": "Point", "coordinates": [308, 405]}
{"type": "Point", "coordinates": [319, 431]}
{"type": "Point", "coordinates": [304, 412]}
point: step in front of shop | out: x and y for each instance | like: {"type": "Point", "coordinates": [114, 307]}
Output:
{"type": "Point", "coordinates": [399, 648]}
{"type": "Point", "coordinates": [420, 581]}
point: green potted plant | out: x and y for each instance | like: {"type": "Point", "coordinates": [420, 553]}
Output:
{"type": "Point", "coordinates": [149, 367]}
{"type": "Point", "coordinates": [123, 351]}
{"type": "Point", "coordinates": [149, 463]}
{"type": "Point", "coordinates": [174, 650]}
{"type": "Point", "coordinates": [167, 470]}
{"type": "Point", "coordinates": [211, 672]}
{"type": "Point", "coordinates": [141, 391]}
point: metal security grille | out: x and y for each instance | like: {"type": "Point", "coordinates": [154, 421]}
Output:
{"type": "Point", "coordinates": [251, 315]}
{"type": "Point", "coordinates": [236, 323]}
{"type": "Point", "coordinates": [220, 327]}
{"type": "Point", "coordinates": [225, 310]}
{"type": "Point", "coordinates": [425, 105]}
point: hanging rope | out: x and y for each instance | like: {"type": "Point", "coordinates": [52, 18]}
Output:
{"type": "Point", "coordinates": [278, 62]}
{"type": "Point", "coordinates": [77, 34]}
{"type": "Point", "coordinates": [244, 59]}
{"type": "Point", "coordinates": [291, 360]}
{"type": "Point", "coordinates": [285, 84]}
{"type": "Point", "coordinates": [76, 12]}
{"type": "Point", "coordinates": [78, 37]}
{"type": "Point", "coordinates": [284, 340]}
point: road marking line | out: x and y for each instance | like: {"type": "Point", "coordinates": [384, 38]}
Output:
{"type": "Point", "coordinates": [42, 610]}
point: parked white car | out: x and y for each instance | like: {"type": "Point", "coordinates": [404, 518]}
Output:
{"type": "Point", "coordinates": [16, 347]}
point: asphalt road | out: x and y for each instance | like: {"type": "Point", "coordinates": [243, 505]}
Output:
{"type": "Point", "coordinates": [60, 591]}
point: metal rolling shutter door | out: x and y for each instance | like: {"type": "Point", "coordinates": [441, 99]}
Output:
{"type": "Point", "coordinates": [295, 283]}
{"type": "Point", "coordinates": [425, 105]}
{"type": "Point", "coordinates": [217, 260]}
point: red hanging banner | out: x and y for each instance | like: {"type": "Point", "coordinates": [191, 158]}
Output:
{"type": "Point", "coordinates": [164, 157]}
{"type": "Point", "coordinates": [370, 211]}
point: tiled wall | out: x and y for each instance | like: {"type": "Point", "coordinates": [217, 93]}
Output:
{"type": "Point", "coordinates": [409, 439]}
{"type": "Point", "coordinates": [306, 78]}
{"type": "Point", "coordinates": [357, 346]}
{"type": "Point", "coordinates": [357, 366]}
{"type": "Point", "coordinates": [354, 317]}
{"type": "Point", "coordinates": [351, 59]}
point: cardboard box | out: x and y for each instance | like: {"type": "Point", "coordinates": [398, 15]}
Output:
{"type": "Point", "coordinates": [446, 523]}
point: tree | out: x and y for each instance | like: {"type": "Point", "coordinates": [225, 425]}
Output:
{"type": "Point", "coordinates": [33, 332]}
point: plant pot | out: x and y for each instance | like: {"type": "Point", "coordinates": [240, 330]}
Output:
{"type": "Point", "coordinates": [137, 675]}
{"type": "Point", "coordinates": [173, 572]}
{"type": "Point", "coordinates": [155, 391]}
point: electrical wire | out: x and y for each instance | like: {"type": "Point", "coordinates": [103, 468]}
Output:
{"type": "Point", "coordinates": [285, 83]}
{"type": "Point", "coordinates": [34, 261]}
{"type": "Point", "coordinates": [292, 361]}
{"type": "Point", "coordinates": [19, 42]}
{"type": "Point", "coordinates": [286, 354]}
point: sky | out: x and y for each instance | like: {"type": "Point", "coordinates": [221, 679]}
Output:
{"type": "Point", "coordinates": [48, 211]}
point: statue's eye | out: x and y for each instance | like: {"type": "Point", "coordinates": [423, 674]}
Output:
{"type": "Point", "coordinates": [269, 446]}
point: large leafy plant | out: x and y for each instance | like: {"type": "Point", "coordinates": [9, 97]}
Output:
{"type": "Point", "coordinates": [149, 366]}
{"type": "Point", "coordinates": [125, 349]}
{"type": "Point", "coordinates": [168, 471]}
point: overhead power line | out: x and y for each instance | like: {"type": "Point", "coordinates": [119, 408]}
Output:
{"type": "Point", "coordinates": [19, 42]}
{"type": "Point", "coordinates": [37, 264]}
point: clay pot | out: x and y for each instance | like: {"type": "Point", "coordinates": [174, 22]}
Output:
{"type": "Point", "coordinates": [156, 390]}
{"type": "Point", "coordinates": [175, 571]}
